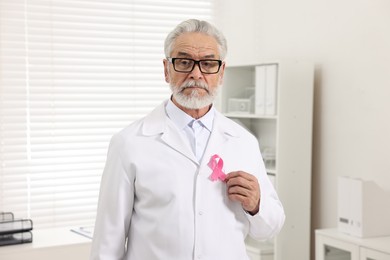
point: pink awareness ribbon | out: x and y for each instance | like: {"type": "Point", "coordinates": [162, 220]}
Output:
{"type": "Point", "coordinates": [216, 164]}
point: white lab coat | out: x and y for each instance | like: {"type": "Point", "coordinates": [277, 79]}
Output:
{"type": "Point", "coordinates": [158, 199]}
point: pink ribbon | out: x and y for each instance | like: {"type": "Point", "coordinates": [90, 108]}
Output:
{"type": "Point", "coordinates": [216, 164]}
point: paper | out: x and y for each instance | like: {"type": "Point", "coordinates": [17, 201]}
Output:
{"type": "Point", "coordinates": [84, 231]}
{"type": "Point", "coordinates": [216, 164]}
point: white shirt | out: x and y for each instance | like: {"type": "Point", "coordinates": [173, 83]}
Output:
{"type": "Point", "coordinates": [158, 198]}
{"type": "Point", "coordinates": [197, 131]}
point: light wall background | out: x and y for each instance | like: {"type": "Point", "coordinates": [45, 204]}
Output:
{"type": "Point", "coordinates": [349, 41]}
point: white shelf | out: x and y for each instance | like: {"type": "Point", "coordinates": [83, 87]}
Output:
{"type": "Point", "coordinates": [259, 250]}
{"type": "Point", "coordinates": [283, 129]}
{"type": "Point", "coordinates": [271, 171]}
{"type": "Point", "coordinates": [249, 115]}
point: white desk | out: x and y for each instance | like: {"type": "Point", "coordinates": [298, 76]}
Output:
{"type": "Point", "coordinates": [330, 244]}
{"type": "Point", "coordinates": [48, 244]}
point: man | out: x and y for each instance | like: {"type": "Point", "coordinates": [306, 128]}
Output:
{"type": "Point", "coordinates": [185, 182]}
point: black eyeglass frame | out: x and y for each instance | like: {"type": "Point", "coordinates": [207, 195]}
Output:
{"type": "Point", "coordinates": [196, 62]}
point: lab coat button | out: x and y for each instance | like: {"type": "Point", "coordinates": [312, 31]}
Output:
{"type": "Point", "coordinates": [200, 213]}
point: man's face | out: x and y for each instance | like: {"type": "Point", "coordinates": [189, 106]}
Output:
{"type": "Point", "coordinates": [203, 89]}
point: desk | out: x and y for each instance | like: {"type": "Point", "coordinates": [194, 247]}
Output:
{"type": "Point", "coordinates": [48, 244]}
{"type": "Point", "coordinates": [330, 244]}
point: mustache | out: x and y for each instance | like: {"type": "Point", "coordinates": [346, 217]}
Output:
{"type": "Point", "coordinates": [194, 83]}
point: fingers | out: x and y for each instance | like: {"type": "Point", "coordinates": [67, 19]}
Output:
{"type": "Point", "coordinates": [244, 188]}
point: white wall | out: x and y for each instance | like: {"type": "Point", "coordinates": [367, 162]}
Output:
{"type": "Point", "coordinates": [349, 41]}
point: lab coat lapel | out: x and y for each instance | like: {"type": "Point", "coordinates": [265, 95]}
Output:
{"type": "Point", "coordinates": [157, 122]}
{"type": "Point", "coordinates": [223, 132]}
{"type": "Point", "coordinates": [174, 139]}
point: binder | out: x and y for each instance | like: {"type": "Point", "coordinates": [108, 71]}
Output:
{"type": "Point", "coordinates": [266, 81]}
{"type": "Point", "coordinates": [16, 238]}
{"type": "Point", "coordinates": [260, 85]}
{"type": "Point", "coordinates": [271, 73]}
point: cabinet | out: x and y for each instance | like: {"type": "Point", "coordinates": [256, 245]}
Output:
{"type": "Point", "coordinates": [334, 245]}
{"type": "Point", "coordinates": [274, 100]}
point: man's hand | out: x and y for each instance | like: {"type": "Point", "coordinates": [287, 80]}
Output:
{"type": "Point", "coordinates": [244, 188]}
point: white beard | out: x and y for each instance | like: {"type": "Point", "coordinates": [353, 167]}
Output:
{"type": "Point", "coordinates": [194, 100]}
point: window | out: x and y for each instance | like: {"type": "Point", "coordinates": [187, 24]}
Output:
{"type": "Point", "coordinates": [72, 73]}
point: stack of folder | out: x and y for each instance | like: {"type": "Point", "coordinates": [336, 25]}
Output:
{"type": "Point", "coordinates": [14, 231]}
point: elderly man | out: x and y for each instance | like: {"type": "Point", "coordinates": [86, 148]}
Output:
{"type": "Point", "coordinates": [185, 182]}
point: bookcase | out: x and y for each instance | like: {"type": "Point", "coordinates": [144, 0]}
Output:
{"type": "Point", "coordinates": [274, 101]}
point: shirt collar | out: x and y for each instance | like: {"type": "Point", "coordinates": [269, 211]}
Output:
{"type": "Point", "coordinates": [182, 119]}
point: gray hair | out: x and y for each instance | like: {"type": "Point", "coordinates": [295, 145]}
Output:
{"type": "Point", "coordinates": [194, 25]}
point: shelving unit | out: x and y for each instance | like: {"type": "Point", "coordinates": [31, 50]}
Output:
{"type": "Point", "coordinates": [285, 137]}
{"type": "Point", "coordinates": [334, 245]}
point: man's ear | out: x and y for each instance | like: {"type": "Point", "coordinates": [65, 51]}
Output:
{"type": "Point", "coordinates": [166, 70]}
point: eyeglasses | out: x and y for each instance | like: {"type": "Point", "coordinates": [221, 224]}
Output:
{"type": "Point", "coordinates": [207, 66]}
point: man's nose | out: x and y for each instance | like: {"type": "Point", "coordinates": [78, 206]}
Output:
{"type": "Point", "coordinates": [196, 73]}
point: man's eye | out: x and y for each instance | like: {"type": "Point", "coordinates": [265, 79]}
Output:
{"type": "Point", "coordinates": [184, 62]}
{"type": "Point", "coordinates": [209, 64]}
